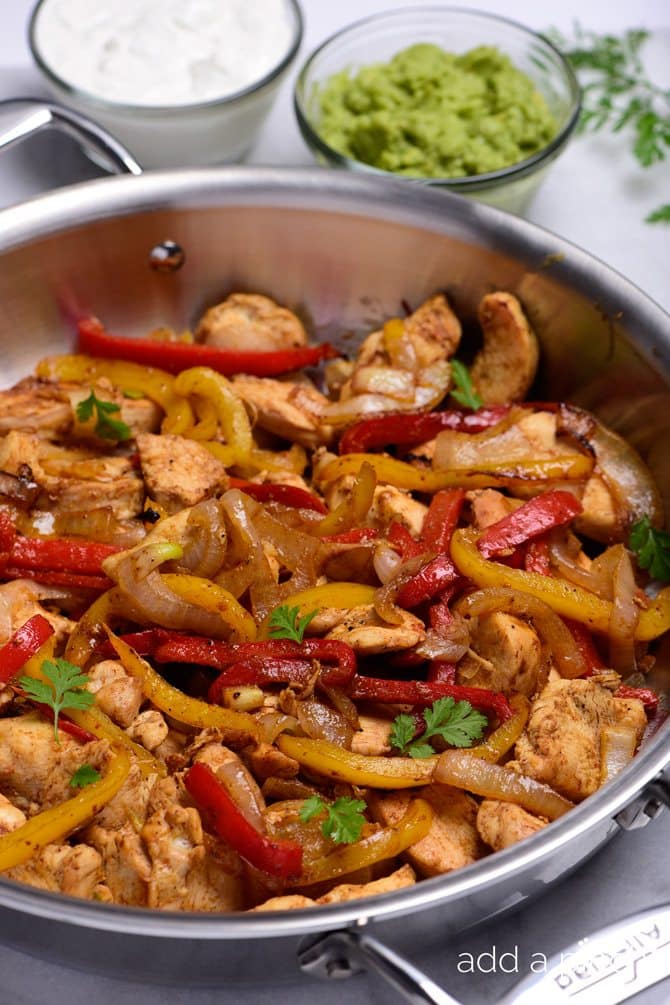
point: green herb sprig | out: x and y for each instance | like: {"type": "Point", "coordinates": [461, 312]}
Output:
{"type": "Point", "coordinates": [106, 427]}
{"type": "Point", "coordinates": [617, 94]}
{"type": "Point", "coordinates": [83, 776]}
{"type": "Point", "coordinates": [464, 394]}
{"type": "Point", "coordinates": [344, 818]}
{"type": "Point", "coordinates": [64, 690]}
{"type": "Point", "coordinates": [286, 623]}
{"type": "Point", "coordinates": [455, 722]}
{"type": "Point", "coordinates": [652, 548]}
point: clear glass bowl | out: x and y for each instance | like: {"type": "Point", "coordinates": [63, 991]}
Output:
{"type": "Point", "coordinates": [378, 38]}
{"type": "Point", "coordinates": [159, 136]}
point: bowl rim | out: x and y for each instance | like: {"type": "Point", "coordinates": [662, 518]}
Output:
{"type": "Point", "coordinates": [490, 179]}
{"type": "Point", "coordinates": [106, 104]}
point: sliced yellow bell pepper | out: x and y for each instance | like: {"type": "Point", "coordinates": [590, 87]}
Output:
{"type": "Point", "coordinates": [487, 475]}
{"type": "Point", "coordinates": [230, 409]}
{"type": "Point", "coordinates": [504, 737]}
{"type": "Point", "coordinates": [207, 425]}
{"type": "Point", "coordinates": [176, 704]}
{"type": "Point", "coordinates": [212, 597]}
{"type": "Point", "coordinates": [154, 383]}
{"type": "Point", "coordinates": [358, 769]}
{"type": "Point", "coordinates": [565, 598]}
{"type": "Point", "coordinates": [338, 595]}
{"type": "Point", "coordinates": [353, 510]}
{"type": "Point", "coordinates": [382, 844]}
{"type": "Point", "coordinates": [55, 824]}
{"type": "Point", "coordinates": [89, 632]}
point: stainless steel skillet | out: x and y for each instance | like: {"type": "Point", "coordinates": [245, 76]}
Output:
{"type": "Point", "coordinates": [344, 251]}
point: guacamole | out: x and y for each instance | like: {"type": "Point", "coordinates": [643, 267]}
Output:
{"type": "Point", "coordinates": [433, 114]}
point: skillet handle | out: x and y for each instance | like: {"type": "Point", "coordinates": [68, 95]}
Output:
{"type": "Point", "coordinates": [22, 117]}
{"type": "Point", "coordinates": [605, 968]}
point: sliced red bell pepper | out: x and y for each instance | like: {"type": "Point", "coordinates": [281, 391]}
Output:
{"type": "Point", "coordinates": [261, 672]}
{"type": "Point", "coordinates": [418, 692]}
{"type": "Point", "coordinates": [646, 695]}
{"type": "Point", "coordinates": [51, 577]}
{"type": "Point", "coordinates": [441, 519]}
{"type": "Point", "coordinates": [536, 556]}
{"type": "Point", "coordinates": [359, 535]}
{"type": "Point", "coordinates": [430, 581]}
{"type": "Point", "coordinates": [406, 430]}
{"type": "Point", "coordinates": [586, 646]}
{"type": "Point", "coordinates": [276, 858]}
{"type": "Point", "coordinates": [24, 643]}
{"type": "Point", "coordinates": [173, 647]}
{"type": "Point", "coordinates": [174, 357]}
{"type": "Point", "coordinates": [287, 495]}
{"type": "Point", "coordinates": [441, 672]}
{"type": "Point", "coordinates": [533, 518]}
{"type": "Point", "coordinates": [400, 538]}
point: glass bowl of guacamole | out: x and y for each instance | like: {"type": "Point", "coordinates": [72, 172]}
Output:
{"type": "Point", "coordinates": [442, 96]}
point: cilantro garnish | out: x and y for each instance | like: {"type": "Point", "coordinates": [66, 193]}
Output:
{"type": "Point", "coordinates": [464, 394]}
{"type": "Point", "coordinates": [652, 548]}
{"type": "Point", "coordinates": [455, 722]}
{"type": "Point", "coordinates": [344, 818]}
{"type": "Point", "coordinates": [65, 690]}
{"type": "Point", "coordinates": [105, 427]}
{"type": "Point", "coordinates": [286, 623]}
{"type": "Point", "coordinates": [83, 776]}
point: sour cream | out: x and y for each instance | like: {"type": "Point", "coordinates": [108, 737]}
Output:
{"type": "Point", "coordinates": [162, 52]}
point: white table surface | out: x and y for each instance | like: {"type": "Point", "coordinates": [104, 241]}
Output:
{"type": "Point", "coordinates": [596, 196]}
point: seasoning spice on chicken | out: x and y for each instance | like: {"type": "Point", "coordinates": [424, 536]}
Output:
{"type": "Point", "coordinates": [309, 676]}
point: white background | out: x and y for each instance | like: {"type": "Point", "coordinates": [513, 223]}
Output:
{"type": "Point", "coordinates": [596, 195]}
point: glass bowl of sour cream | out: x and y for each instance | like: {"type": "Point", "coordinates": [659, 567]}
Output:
{"type": "Point", "coordinates": [443, 96]}
{"type": "Point", "coordinates": [178, 82]}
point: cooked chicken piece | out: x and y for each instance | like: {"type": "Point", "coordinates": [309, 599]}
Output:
{"type": "Point", "coordinates": [600, 518]}
{"type": "Point", "coordinates": [126, 865]}
{"type": "Point", "coordinates": [372, 737]}
{"type": "Point", "coordinates": [141, 415]}
{"type": "Point", "coordinates": [504, 369]}
{"type": "Point", "coordinates": [21, 599]}
{"type": "Point", "coordinates": [34, 406]}
{"type": "Point", "coordinates": [503, 824]}
{"type": "Point", "coordinates": [287, 902]}
{"type": "Point", "coordinates": [289, 410]}
{"type": "Point", "coordinates": [452, 840]}
{"type": "Point", "coordinates": [117, 693]}
{"type": "Point", "coordinates": [267, 762]}
{"type": "Point", "coordinates": [35, 771]}
{"type": "Point", "coordinates": [11, 816]}
{"type": "Point", "coordinates": [365, 631]}
{"type": "Point", "coordinates": [148, 728]}
{"type": "Point", "coordinates": [489, 506]}
{"type": "Point", "coordinates": [131, 802]}
{"type": "Point", "coordinates": [505, 655]}
{"type": "Point", "coordinates": [179, 472]}
{"type": "Point", "coordinates": [433, 329]}
{"type": "Point", "coordinates": [398, 880]}
{"type": "Point", "coordinates": [62, 869]}
{"type": "Point", "coordinates": [561, 744]}
{"type": "Point", "coordinates": [389, 504]}
{"type": "Point", "coordinates": [74, 479]}
{"type": "Point", "coordinates": [250, 322]}
{"type": "Point", "coordinates": [184, 877]}
{"type": "Point", "coordinates": [392, 505]}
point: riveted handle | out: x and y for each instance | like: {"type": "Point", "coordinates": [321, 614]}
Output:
{"type": "Point", "coordinates": [23, 117]}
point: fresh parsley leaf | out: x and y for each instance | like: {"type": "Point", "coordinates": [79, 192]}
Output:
{"type": "Point", "coordinates": [286, 623]}
{"type": "Point", "coordinates": [652, 548]}
{"type": "Point", "coordinates": [464, 394]}
{"type": "Point", "coordinates": [105, 427]}
{"type": "Point", "coordinates": [344, 818]}
{"type": "Point", "coordinates": [455, 722]}
{"type": "Point", "coordinates": [617, 93]}
{"type": "Point", "coordinates": [659, 215]}
{"type": "Point", "coordinates": [83, 776]}
{"type": "Point", "coordinates": [65, 690]}
{"type": "Point", "coordinates": [133, 395]}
